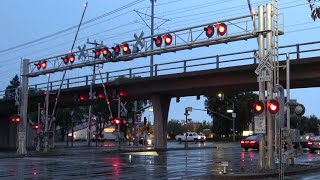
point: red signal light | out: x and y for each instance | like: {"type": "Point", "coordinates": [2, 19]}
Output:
{"type": "Point", "coordinates": [38, 65]}
{"type": "Point", "coordinates": [116, 50]}
{"type": "Point", "coordinates": [106, 53]}
{"type": "Point", "coordinates": [167, 39]}
{"type": "Point", "coordinates": [273, 106]}
{"type": "Point", "coordinates": [158, 41]}
{"type": "Point", "coordinates": [44, 64]}
{"type": "Point", "coordinates": [16, 119]}
{"type": "Point", "coordinates": [83, 98]}
{"type": "Point", "coordinates": [101, 96]}
{"type": "Point", "coordinates": [35, 126]}
{"type": "Point", "coordinates": [117, 121]}
{"type": "Point", "coordinates": [258, 107]}
{"type": "Point", "coordinates": [65, 59]}
{"type": "Point", "coordinates": [126, 49]}
{"type": "Point", "coordinates": [71, 58]}
{"type": "Point", "coordinates": [96, 53]}
{"type": "Point", "coordinates": [222, 28]}
{"type": "Point", "coordinates": [209, 31]}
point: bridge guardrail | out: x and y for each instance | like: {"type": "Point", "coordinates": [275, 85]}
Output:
{"type": "Point", "coordinates": [182, 66]}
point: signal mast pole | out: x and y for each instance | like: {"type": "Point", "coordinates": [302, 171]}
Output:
{"type": "Point", "coordinates": [152, 33]}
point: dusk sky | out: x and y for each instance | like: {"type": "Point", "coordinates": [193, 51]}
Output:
{"type": "Point", "coordinates": [25, 22]}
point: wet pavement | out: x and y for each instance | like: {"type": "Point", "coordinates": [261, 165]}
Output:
{"type": "Point", "coordinates": [104, 162]}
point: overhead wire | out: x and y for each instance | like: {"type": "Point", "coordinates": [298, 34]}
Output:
{"type": "Point", "coordinates": [72, 27]}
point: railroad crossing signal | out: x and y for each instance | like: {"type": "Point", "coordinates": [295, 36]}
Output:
{"type": "Point", "coordinates": [273, 106]}
{"type": "Point", "coordinates": [263, 63]}
{"type": "Point", "coordinates": [209, 31]}
{"type": "Point", "coordinates": [258, 107]}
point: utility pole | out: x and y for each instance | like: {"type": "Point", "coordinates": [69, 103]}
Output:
{"type": "Point", "coordinates": [46, 120]}
{"type": "Point", "coordinates": [89, 133]}
{"type": "Point", "coordinates": [22, 133]}
{"type": "Point", "coordinates": [119, 114]}
{"type": "Point", "coordinates": [261, 85]}
{"type": "Point", "coordinates": [270, 121]}
{"type": "Point", "coordinates": [152, 33]}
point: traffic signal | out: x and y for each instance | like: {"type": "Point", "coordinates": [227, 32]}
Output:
{"type": "Point", "coordinates": [65, 59]}
{"type": "Point", "coordinates": [167, 39]}
{"type": "Point", "coordinates": [158, 41]}
{"type": "Point", "coordinates": [35, 126]}
{"type": "Point", "coordinates": [41, 64]}
{"type": "Point", "coordinates": [145, 121]}
{"type": "Point", "coordinates": [126, 49]}
{"type": "Point", "coordinates": [186, 111]}
{"type": "Point", "coordinates": [97, 53]}
{"type": "Point", "coordinates": [222, 28]}
{"type": "Point", "coordinates": [178, 99]}
{"type": "Point", "coordinates": [208, 110]}
{"type": "Point", "coordinates": [258, 107]}
{"type": "Point", "coordinates": [44, 64]}
{"type": "Point", "coordinates": [68, 58]}
{"type": "Point", "coordinates": [71, 58]}
{"type": "Point", "coordinates": [117, 121]}
{"type": "Point", "coordinates": [273, 106]}
{"type": "Point", "coordinates": [83, 98]}
{"type": "Point", "coordinates": [116, 50]}
{"type": "Point", "coordinates": [209, 31]}
{"type": "Point", "coordinates": [16, 119]}
{"type": "Point", "coordinates": [106, 53]}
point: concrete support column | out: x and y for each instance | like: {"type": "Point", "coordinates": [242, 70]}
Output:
{"type": "Point", "coordinates": [161, 105]}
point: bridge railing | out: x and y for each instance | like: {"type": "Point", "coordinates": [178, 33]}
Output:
{"type": "Point", "coordinates": [296, 51]}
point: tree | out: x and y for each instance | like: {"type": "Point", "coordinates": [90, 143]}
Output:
{"type": "Point", "coordinates": [66, 118]}
{"type": "Point", "coordinates": [175, 127]}
{"type": "Point", "coordinates": [315, 9]}
{"type": "Point", "coordinates": [243, 108]}
{"type": "Point", "coordinates": [10, 90]}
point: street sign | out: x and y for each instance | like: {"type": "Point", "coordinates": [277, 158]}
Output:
{"type": "Point", "coordinates": [263, 63]}
{"type": "Point", "coordinates": [139, 41]}
{"type": "Point", "coordinates": [234, 115]}
{"type": "Point", "coordinates": [224, 163]}
{"type": "Point", "coordinates": [263, 77]}
{"type": "Point", "coordinates": [259, 124]}
{"type": "Point", "coordinates": [82, 52]}
{"type": "Point", "coordinates": [189, 109]}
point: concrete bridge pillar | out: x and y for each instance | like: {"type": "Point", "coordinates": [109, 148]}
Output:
{"type": "Point", "coordinates": [161, 105]}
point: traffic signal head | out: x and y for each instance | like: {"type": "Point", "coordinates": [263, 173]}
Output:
{"type": "Point", "coordinates": [158, 41]}
{"type": "Point", "coordinates": [258, 107]}
{"type": "Point", "coordinates": [208, 110]}
{"type": "Point", "coordinates": [116, 50]}
{"type": "Point", "coordinates": [117, 121]}
{"type": "Point", "coordinates": [96, 53]}
{"type": "Point", "coordinates": [44, 64]}
{"type": "Point", "coordinates": [65, 59]}
{"type": "Point", "coordinates": [35, 126]}
{"type": "Point", "coordinates": [273, 106]}
{"type": "Point", "coordinates": [106, 53]}
{"type": "Point", "coordinates": [167, 39]}
{"type": "Point", "coordinates": [16, 119]}
{"type": "Point", "coordinates": [222, 28]}
{"type": "Point", "coordinates": [209, 31]}
{"type": "Point", "coordinates": [71, 58]}
{"type": "Point", "coordinates": [41, 64]}
{"type": "Point", "coordinates": [126, 49]}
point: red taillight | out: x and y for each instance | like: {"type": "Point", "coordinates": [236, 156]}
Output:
{"type": "Point", "coordinates": [252, 142]}
{"type": "Point", "coordinates": [309, 143]}
{"type": "Point", "coordinates": [242, 142]}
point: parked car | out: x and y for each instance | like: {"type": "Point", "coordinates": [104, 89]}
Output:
{"type": "Point", "coordinates": [191, 136]}
{"type": "Point", "coordinates": [251, 142]}
{"type": "Point", "coordinates": [314, 144]}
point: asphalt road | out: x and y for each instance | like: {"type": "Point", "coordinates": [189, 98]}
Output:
{"type": "Point", "coordinates": [99, 163]}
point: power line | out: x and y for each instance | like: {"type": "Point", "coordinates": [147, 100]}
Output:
{"type": "Point", "coordinates": [70, 28]}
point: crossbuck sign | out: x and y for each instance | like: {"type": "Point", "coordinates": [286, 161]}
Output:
{"type": "Point", "coordinates": [264, 63]}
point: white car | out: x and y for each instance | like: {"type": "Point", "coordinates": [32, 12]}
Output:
{"type": "Point", "coordinates": [191, 136]}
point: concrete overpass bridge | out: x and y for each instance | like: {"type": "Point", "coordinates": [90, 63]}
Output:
{"type": "Point", "coordinates": [183, 78]}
